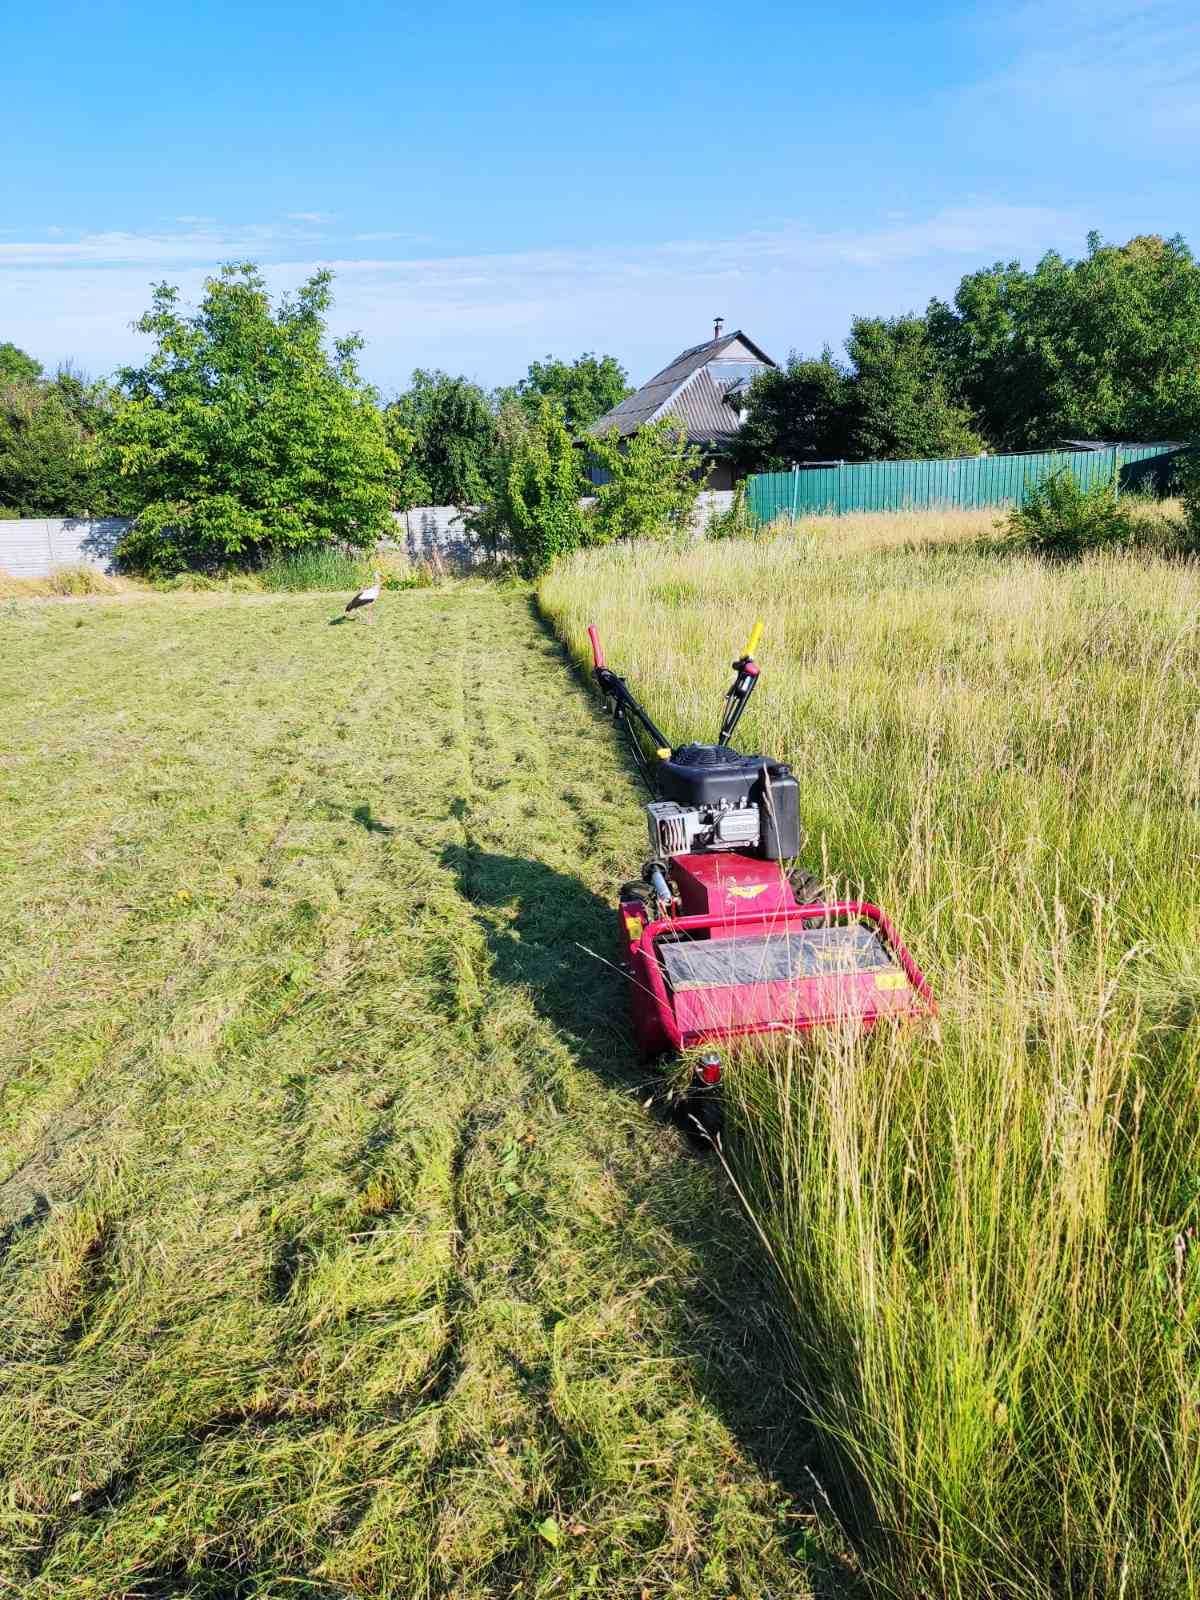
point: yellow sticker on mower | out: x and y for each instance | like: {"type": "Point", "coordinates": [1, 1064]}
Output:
{"type": "Point", "coordinates": [890, 980]}
{"type": "Point", "coordinates": [634, 927]}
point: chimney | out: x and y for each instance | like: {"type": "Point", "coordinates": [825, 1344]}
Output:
{"type": "Point", "coordinates": [718, 324]}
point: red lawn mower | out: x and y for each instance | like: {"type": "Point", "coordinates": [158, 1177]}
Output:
{"type": "Point", "coordinates": [725, 935]}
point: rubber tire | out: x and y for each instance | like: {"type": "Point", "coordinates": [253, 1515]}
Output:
{"type": "Point", "coordinates": [806, 886]}
{"type": "Point", "coordinates": [636, 891]}
{"type": "Point", "coordinates": [704, 1109]}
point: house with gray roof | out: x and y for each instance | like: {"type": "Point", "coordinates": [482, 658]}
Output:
{"type": "Point", "coordinates": [705, 390]}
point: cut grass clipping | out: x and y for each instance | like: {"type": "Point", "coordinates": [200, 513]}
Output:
{"type": "Point", "coordinates": [338, 1253]}
{"type": "Point", "coordinates": [985, 1232]}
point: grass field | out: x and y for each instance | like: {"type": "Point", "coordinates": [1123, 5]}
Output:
{"type": "Point", "coordinates": [338, 1254]}
{"type": "Point", "coordinates": [985, 1232]}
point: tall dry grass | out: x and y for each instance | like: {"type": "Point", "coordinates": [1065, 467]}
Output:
{"type": "Point", "coordinates": [67, 582]}
{"type": "Point", "coordinates": [985, 1232]}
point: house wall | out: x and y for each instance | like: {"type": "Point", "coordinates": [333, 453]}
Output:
{"type": "Point", "coordinates": [739, 350]}
{"type": "Point", "coordinates": [716, 474]}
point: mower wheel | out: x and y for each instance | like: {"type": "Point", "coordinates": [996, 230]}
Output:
{"type": "Point", "coordinates": [699, 1115]}
{"type": "Point", "coordinates": [636, 891]}
{"type": "Point", "coordinates": [806, 886]}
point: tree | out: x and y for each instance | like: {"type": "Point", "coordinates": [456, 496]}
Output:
{"type": "Point", "coordinates": [450, 433]}
{"type": "Point", "coordinates": [242, 434]}
{"type": "Point", "coordinates": [16, 366]}
{"type": "Point", "coordinates": [50, 464]}
{"type": "Point", "coordinates": [1104, 347]}
{"type": "Point", "coordinates": [535, 496]}
{"type": "Point", "coordinates": [654, 479]}
{"type": "Point", "coordinates": [583, 389]}
{"type": "Point", "coordinates": [804, 411]}
{"type": "Point", "coordinates": [902, 394]}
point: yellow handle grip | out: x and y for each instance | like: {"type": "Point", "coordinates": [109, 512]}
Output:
{"type": "Point", "coordinates": [755, 636]}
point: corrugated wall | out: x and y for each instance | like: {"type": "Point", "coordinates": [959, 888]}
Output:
{"type": "Point", "coordinates": [33, 546]}
{"type": "Point", "coordinates": [967, 482]}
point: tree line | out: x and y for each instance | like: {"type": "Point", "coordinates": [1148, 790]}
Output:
{"type": "Point", "coordinates": [1105, 347]}
{"type": "Point", "coordinates": [248, 429]}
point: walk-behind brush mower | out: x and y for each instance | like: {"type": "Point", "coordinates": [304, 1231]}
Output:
{"type": "Point", "coordinates": [725, 935]}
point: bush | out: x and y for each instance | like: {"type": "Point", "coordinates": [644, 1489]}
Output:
{"type": "Point", "coordinates": [654, 479]}
{"type": "Point", "coordinates": [735, 522]}
{"type": "Point", "coordinates": [1187, 476]}
{"type": "Point", "coordinates": [1060, 519]}
{"type": "Point", "coordinates": [533, 503]}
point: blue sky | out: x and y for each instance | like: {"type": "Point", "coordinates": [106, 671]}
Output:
{"type": "Point", "coordinates": [492, 183]}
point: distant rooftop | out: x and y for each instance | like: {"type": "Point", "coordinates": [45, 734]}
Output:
{"type": "Point", "coordinates": [701, 388]}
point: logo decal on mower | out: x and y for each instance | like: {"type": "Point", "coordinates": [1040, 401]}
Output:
{"type": "Point", "coordinates": [746, 891]}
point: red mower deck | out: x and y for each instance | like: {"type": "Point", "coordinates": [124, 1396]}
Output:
{"type": "Point", "coordinates": [715, 942]}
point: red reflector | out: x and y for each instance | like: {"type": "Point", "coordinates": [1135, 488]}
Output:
{"type": "Point", "coordinates": [709, 1071]}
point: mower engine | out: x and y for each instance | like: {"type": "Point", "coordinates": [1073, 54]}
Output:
{"type": "Point", "coordinates": [725, 935]}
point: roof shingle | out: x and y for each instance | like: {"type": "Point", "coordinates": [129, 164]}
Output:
{"type": "Point", "coordinates": [686, 390]}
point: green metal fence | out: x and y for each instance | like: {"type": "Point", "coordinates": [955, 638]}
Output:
{"type": "Point", "coordinates": [968, 481]}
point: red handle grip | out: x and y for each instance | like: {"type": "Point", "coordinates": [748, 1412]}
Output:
{"type": "Point", "coordinates": [597, 651]}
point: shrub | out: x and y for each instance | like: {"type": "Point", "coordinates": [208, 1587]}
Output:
{"type": "Point", "coordinates": [1061, 519]}
{"type": "Point", "coordinates": [534, 501]}
{"type": "Point", "coordinates": [735, 522]}
{"type": "Point", "coordinates": [654, 479]}
{"type": "Point", "coordinates": [1187, 476]}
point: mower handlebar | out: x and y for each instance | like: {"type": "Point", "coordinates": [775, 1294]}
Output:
{"type": "Point", "coordinates": [597, 648]}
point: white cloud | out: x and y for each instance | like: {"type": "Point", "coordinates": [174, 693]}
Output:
{"type": "Point", "coordinates": [198, 240]}
{"type": "Point", "coordinates": [316, 217]}
{"type": "Point", "coordinates": [489, 314]}
{"type": "Point", "coordinates": [1122, 75]}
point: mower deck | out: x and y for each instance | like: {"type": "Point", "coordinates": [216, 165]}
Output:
{"type": "Point", "coordinates": [701, 978]}
{"type": "Point", "coordinates": [714, 939]}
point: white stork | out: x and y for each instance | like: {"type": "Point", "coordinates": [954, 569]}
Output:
{"type": "Point", "coordinates": [365, 598]}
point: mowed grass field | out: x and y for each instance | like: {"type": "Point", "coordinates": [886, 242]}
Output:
{"type": "Point", "coordinates": [339, 1255]}
{"type": "Point", "coordinates": [985, 1230]}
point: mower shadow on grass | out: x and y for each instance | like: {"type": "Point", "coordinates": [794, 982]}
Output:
{"type": "Point", "coordinates": [547, 933]}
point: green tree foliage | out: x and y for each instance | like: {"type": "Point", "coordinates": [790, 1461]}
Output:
{"type": "Point", "coordinates": [242, 434]}
{"type": "Point", "coordinates": [537, 486]}
{"type": "Point", "coordinates": [1104, 347]}
{"type": "Point", "coordinates": [1188, 479]}
{"type": "Point", "coordinates": [445, 433]}
{"type": "Point", "coordinates": [804, 411]}
{"type": "Point", "coordinates": [16, 366]}
{"type": "Point", "coordinates": [902, 395]}
{"type": "Point", "coordinates": [50, 462]}
{"type": "Point", "coordinates": [583, 389]}
{"type": "Point", "coordinates": [654, 482]}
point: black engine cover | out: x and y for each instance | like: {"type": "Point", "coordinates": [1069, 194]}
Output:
{"type": "Point", "coordinates": [702, 775]}
{"type": "Point", "coordinates": [707, 775]}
